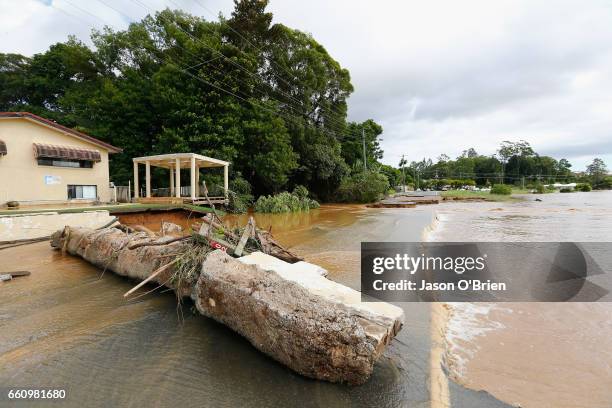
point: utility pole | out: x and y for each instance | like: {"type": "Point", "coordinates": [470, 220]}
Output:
{"type": "Point", "coordinates": [403, 174]}
{"type": "Point", "coordinates": [365, 163]}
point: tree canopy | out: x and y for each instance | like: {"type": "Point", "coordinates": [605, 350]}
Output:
{"type": "Point", "coordinates": [267, 98]}
{"type": "Point", "coordinates": [515, 163]}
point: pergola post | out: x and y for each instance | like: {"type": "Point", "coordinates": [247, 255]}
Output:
{"type": "Point", "coordinates": [197, 181]}
{"type": "Point", "coordinates": [177, 169]}
{"type": "Point", "coordinates": [226, 180]}
{"type": "Point", "coordinates": [136, 192]}
{"type": "Point", "coordinates": [171, 192]}
{"type": "Point", "coordinates": [148, 178]}
{"type": "Point", "coordinates": [193, 178]}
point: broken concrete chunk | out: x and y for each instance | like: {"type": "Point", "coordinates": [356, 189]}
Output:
{"type": "Point", "coordinates": [268, 262]}
{"type": "Point", "coordinates": [170, 228]}
{"type": "Point", "coordinates": [309, 277]}
{"type": "Point", "coordinates": [294, 317]}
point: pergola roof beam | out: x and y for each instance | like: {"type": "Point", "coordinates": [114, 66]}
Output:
{"type": "Point", "coordinates": [170, 160]}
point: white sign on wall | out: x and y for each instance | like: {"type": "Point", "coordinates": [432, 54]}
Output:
{"type": "Point", "coordinates": [52, 180]}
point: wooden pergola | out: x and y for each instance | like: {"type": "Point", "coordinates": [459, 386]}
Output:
{"type": "Point", "coordinates": [174, 162]}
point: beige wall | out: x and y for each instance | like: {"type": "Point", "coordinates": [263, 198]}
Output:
{"type": "Point", "coordinates": [37, 225]}
{"type": "Point", "coordinates": [22, 179]}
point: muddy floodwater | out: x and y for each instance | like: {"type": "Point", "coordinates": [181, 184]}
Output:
{"type": "Point", "coordinates": [68, 326]}
{"type": "Point", "coordinates": [532, 354]}
{"type": "Point", "coordinates": [153, 220]}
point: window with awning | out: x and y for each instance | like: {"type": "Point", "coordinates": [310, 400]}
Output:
{"type": "Point", "coordinates": [44, 151]}
{"type": "Point", "coordinates": [2, 148]}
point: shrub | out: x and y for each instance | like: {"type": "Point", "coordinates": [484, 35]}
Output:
{"type": "Point", "coordinates": [364, 187]}
{"type": "Point", "coordinates": [539, 188]}
{"type": "Point", "coordinates": [240, 197]}
{"type": "Point", "coordinates": [605, 184]}
{"type": "Point", "coordinates": [501, 189]}
{"type": "Point", "coordinates": [566, 190]}
{"type": "Point", "coordinates": [583, 187]}
{"type": "Point", "coordinates": [286, 202]}
{"type": "Point", "coordinates": [300, 191]}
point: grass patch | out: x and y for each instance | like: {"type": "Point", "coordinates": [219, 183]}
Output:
{"type": "Point", "coordinates": [484, 195]}
{"type": "Point", "coordinates": [127, 208]}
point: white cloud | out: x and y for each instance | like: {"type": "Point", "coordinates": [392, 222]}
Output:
{"type": "Point", "coordinates": [441, 76]}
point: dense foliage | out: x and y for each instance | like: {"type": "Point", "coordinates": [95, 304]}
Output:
{"type": "Point", "coordinates": [598, 174]}
{"type": "Point", "coordinates": [515, 163]}
{"type": "Point", "coordinates": [267, 98]}
{"type": "Point", "coordinates": [502, 189]}
{"type": "Point", "coordinates": [440, 184]}
{"type": "Point", "coordinates": [286, 202]}
{"type": "Point", "coordinates": [363, 187]}
{"type": "Point", "coordinates": [583, 187]}
{"type": "Point", "coordinates": [240, 195]}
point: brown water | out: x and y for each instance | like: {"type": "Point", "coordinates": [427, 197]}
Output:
{"type": "Point", "coordinates": [154, 220]}
{"type": "Point", "coordinates": [533, 354]}
{"type": "Point", "coordinates": [68, 326]}
{"type": "Point", "coordinates": [331, 236]}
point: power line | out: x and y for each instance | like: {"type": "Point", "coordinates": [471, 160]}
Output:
{"type": "Point", "coordinates": [74, 17]}
{"type": "Point", "coordinates": [365, 161]}
{"type": "Point", "coordinates": [82, 10]}
{"type": "Point", "coordinates": [143, 5]}
{"type": "Point", "coordinates": [272, 62]}
{"type": "Point", "coordinates": [281, 114]}
{"type": "Point", "coordinates": [221, 55]}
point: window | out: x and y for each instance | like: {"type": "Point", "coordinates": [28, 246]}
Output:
{"type": "Point", "coordinates": [47, 161]}
{"type": "Point", "coordinates": [87, 192]}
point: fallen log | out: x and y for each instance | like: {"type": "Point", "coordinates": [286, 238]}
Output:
{"type": "Point", "coordinates": [271, 247]}
{"type": "Point", "coordinates": [289, 311]}
{"type": "Point", "coordinates": [110, 249]}
{"type": "Point", "coordinates": [142, 228]}
{"type": "Point", "coordinates": [156, 242]}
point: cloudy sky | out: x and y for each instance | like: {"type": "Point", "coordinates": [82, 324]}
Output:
{"type": "Point", "coordinates": [440, 76]}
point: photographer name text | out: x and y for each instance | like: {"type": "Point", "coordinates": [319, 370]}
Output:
{"type": "Point", "coordinates": [464, 284]}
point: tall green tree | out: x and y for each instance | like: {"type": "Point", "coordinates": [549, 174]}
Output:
{"type": "Point", "coordinates": [357, 134]}
{"type": "Point", "coordinates": [267, 98]}
{"type": "Point", "coordinates": [597, 171]}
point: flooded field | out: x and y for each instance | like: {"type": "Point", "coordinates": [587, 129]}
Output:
{"type": "Point", "coordinates": [532, 354]}
{"type": "Point", "coordinates": [68, 326]}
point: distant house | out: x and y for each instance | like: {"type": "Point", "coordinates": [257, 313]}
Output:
{"type": "Point", "coordinates": [41, 160]}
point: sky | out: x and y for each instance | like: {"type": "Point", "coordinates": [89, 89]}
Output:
{"type": "Point", "coordinates": [439, 76]}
